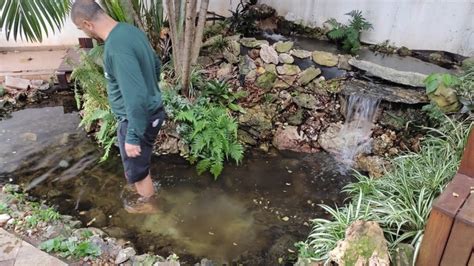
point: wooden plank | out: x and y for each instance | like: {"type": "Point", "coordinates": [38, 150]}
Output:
{"type": "Point", "coordinates": [435, 238]}
{"type": "Point", "coordinates": [467, 162]}
{"type": "Point", "coordinates": [461, 240]}
{"type": "Point", "coordinates": [453, 197]}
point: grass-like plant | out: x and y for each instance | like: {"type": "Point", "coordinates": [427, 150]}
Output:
{"type": "Point", "coordinates": [401, 200]}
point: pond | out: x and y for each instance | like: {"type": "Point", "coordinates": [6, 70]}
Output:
{"type": "Point", "coordinates": [253, 214]}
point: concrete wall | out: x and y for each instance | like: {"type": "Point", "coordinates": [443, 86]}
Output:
{"type": "Point", "coordinates": [446, 25]}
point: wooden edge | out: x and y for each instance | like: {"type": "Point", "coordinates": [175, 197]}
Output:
{"type": "Point", "coordinates": [454, 196]}
{"type": "Point", "coordinates": [467, 161]}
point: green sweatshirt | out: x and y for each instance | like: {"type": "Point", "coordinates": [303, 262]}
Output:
{"type": "Point", "coordinates": [132, 70]}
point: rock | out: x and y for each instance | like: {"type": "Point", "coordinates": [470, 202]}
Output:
{"type": "Point", "coordinates": [268, 54]}
{"type": "Point", "coordinates": [288, 70]}
{"type": "Point", "coordinates": [44, 87]}
{"type": "Point", "coordinates": [225, 70]}
{"type": "Point", "coordinates": [325, 58]}
{"type": "Point", "coordinates": [206, 262]}
{"type": "Point", "coordinates": [251, 76]}
{"type": "Point", "coordinates": [246, 65]}
{"type": "Point", "coordinates": [288, 138]}
{"type": "Point", "coordinates": [385, 92]}
{"type": "Point", "coordinates": [436, 57]}
{"type": "Point", "coordinates": [404, 255]}
{"type": "Point", "coordinates": [329, 139]}
{"type": "Point", "coordinates": [53, 231]}
{"type": "Point", "coordinates": [401, 77]}
{"type": "Point", "coordinates": [284, 82]}
{"type": "Point", "coordinates": [296, 119]}
{"type": "Point", "coordinates": [4, 219]}
{"type": "Point", "coordinates": [307, 101]}
{"type": "Point", "coordinates": [144, 259]}
{"type": "Point", "coordinates": [230, 57]}
{"type": "Point", "coordinates": [308, 75]}
{"type": "Point", "coordinates": [246, 138]}
{"type": "Point", "coordinates": [261, 11]}
{"type": "Point", "coordinates": [468, 62]}
{"type": "Point", "coordinates": [271, 68]}
{"type": "Point", "coordinates": [233, 46]}
{"type": "Point", "coordinates": [254, 53]}
{"type": "Point", "coordinates": [445, 98]}
{"type": "Point", "coordinates": [266, 80]}
{"type": "Point", "coordinates": [257, 119]}
{"type": "Point", "coordinates": [301, 54]}
{"type": "Point", "coordinates": [212, 40]}
{"type": "Point", "coordinates": [169, 146]}
{"type": "Point", "coordinates": [17, 83]}
{"type": "Point", "coordinates": [404, 51]}
{"type": "Point", "coordinates": [383, 143]}
{"type": "Point", "coordinates": [344, 62]}
{"type": "Point", "coordinates": [259, 62]}
{"type": "Point", "coordinates": [364, 244]}
{"type": "Point", "coordinates": [286, 59]}
{"type": "Point", "coordinates": [283, 47]}
{"type": "Point", "coordinates": [63, 164]}
{"type": "Point", "coordinates": [252, 42]}
{"type": "Point", "coordinates": [28, 136]}
{"type": "Point", "coordinates": [374, 165]}
{"type": "Point", "coordinates": [124, 255]}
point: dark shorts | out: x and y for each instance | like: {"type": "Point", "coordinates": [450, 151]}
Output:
{"type": "Point", "coordinates": [136, 169]}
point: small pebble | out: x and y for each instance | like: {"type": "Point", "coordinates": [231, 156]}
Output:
{"type": "Point", "coordinates": [211, 233]}
{"type": "Point", "coordinates": [235, 244]}
{"type": "Point", "coordinates": [288, 184]}
{"type": "Point", "coordinates": [285, 219]}
{"type": "Point", "coordinates": [455, 194]}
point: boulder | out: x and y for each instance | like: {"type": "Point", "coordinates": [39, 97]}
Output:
{"type": "Point", "coordinates": [257, 119]}
{"type": "Point", "coordinates": [286, 59]}
{"type": "Point", "coordinates": [307, 101]}
{"type": "Point", "coordinates": [329, 139]}
{"type": "Point", "coordinates": [283, 47]}
{"type": "Point", "coordinates": [296, 119]}
{"type": "Point", "coordinates": [233, 47]}
{"type": "Point", "coordinates": [246, 65]}
{"type": "Point", "coordinates": [445, 98]}
{"type": "Point", "coordinates": [301, 54]}
{"type": "Point", "coordinates": [251, 76]}
{"type": "Point", "coordinates": [230, 57]}
{"type": "Point", "coordinates": [364, 244]}
{"type": "Point", "coordinates": [246, 138]}
{"type": "Point", "coordinates": [288, 138]}
{"type": "Point", "coordinates": [266, 80]}
{"type": "Point", "coordinates": [268, 54]}
{"type": "Point", "coordinates": [252, 42]}
{"type": "Point", "coordinates": [396, 76]}
{"type": "Point", "coordinates": [124, 255]}
{"type": "Point", "coordinates": [374, 165]}
{"type": "Point", "coordinates": [308, 75]}
{"type": "Point", "coordinates": [325, 58]}
{"type": "Point", "coordinates": [288, 70]}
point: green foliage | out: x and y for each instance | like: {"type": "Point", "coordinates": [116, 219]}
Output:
{"type": "Point", "coordinates": [71, 247]}
{"type": "Point", "coordinates": [219, 92]}
{"type": "Point", "coordinates": [241, 21]}
{"type": "Point", "coordinates": [93, 99]}
{"type": "Point", "coordinates": [433, 81]}
{"type": "Point", "coordinates": [349, 35]}
{"type": "Point", "coordinates": [41, 215]}
{"type": "Point", "coordinates": [465, 89]}
{"type": "Point", "coordinates": [434, 113]}
{"type": "Point", "coordinates": [212, 136]}
{"type": "Point", "coordinates": [219, 44]}
{"type": "Point", "coordinates": [32, 19]}
{"type": "Point", "coordinates": [401, 200]}
{"type": "Point", "coordinates": [215, 29]}
{"type": "Point", "coordinates": [4, 208]}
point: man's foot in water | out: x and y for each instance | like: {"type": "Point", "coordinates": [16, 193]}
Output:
{"type": "Point", "coordinates": [134, 203]}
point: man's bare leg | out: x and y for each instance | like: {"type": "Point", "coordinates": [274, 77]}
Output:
{"type": "Point", "coordinates": [145, 187]}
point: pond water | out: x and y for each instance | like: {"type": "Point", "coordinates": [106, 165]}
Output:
{"type": "Point", "coordinates": [253, 214]}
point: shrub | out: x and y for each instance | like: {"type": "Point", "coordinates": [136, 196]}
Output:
{"type": "Point", "coordinates": [349, 35]}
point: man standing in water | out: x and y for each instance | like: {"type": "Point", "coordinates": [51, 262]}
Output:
{"type": "Point", "coordinates": [132, 71]}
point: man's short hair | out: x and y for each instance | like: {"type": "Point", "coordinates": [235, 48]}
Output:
{"type": "Point", "coordinates": [86, 10]}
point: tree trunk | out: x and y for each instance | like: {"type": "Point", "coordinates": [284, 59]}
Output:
{"type": "Point", "coordinates": [171, 10]}
{"type": "Point", "coordinates": [131, 14]}
{"type": "Point", "coordinates": [199, 30]}
{"type": "Point", "coordinates": [188, 43]}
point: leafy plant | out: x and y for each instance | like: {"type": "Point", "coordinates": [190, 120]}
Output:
{"type": "Point", "coordinates": [41, 215]}
{"type": "Point", "coordinates": [433, 81]}
{"type": "Point", "coordinates": [219, 92]}
{"type": "Point", "coordinates": [93, 99]}
{"type": "Point", "coordinates": [212, 136]}
{"type": "Point", "coordinates": [401, 200]}
{"type": "Point", "coordinates": [71, 247]}
{"type": "Point", "coordinates": [349, 35]}
{"type": "Point", "coordinates": [32, 19]}
{"type": "Point", "coordinates": [240, 20]}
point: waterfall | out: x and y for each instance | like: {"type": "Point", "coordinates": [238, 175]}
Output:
{"type": "Point", "coordinates": [357, 129]}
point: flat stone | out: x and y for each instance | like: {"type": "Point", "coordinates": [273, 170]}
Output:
{"type": "Point", "coordinates": [385, 92]}
{"type": "Point", "coordinates": [283, 47]}
{"type": "Point", "coordinates": [401, 77]}
{"type": "Point", "coordinates": [124, 255]}
{"type": "Point", "coordinates": [284, 82]}
{"type": "Point", "coordinates": [308, 75]}
{"type": "Point", "coordinates": [288, 70]}
{"type": "Point", "coordinates": [266, 80]}
{"type": "Point", "coordinates": [252, 42]}
{"type": "Point", "coordinates": [325, 58]}
{"type": "Point", "coordinates": [17, 83]}
{"type": "Point", "coordinates": [268, 54]}
{"type": "Point", "coordinates": [302, 54]}
{"type": "Point", "coordinates": [234, 47]}
{"type": "Point", "coordinates": [286, 59]}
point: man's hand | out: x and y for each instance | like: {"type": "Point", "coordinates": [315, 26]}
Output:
{"type": "Point", "coordinates": [132, 150]}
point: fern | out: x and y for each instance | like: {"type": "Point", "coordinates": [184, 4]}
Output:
{"type": "Point", "coordinates": [349, 35]}
{"type": "Point", "coordinates": [219, 92]}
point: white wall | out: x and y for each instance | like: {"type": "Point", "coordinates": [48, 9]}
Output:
{"type": "Point", "coordinates": [446, 25]}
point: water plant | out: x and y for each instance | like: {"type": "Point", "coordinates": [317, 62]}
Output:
{"type": "Point", "coordinates": [349, 35]}
{"type": "Point", "coordinates": [401, 200]}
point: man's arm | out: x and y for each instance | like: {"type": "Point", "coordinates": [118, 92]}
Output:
{"type": "Point", "coordinates": [158, 67]}
{"type": "Point", "coordinates": [130, 80]}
